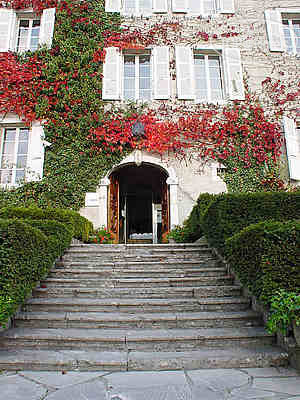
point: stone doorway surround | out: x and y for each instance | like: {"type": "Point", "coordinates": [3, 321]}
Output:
{"type": "Point", "coordinates": [96, 204]}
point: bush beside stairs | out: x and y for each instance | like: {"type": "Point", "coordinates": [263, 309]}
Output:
{"type": "Point", "coordinates": [138, 307]}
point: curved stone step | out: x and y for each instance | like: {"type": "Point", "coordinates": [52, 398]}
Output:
{"type": "Point", "coordinates": [78, 304]}
{"type": "Point", "coordinates": [141, 320]}
{"type": "Point", "coordinates": [141, 339]}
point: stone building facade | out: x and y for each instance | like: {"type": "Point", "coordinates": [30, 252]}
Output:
{"type": "Point", "coordinates": [208, 52]}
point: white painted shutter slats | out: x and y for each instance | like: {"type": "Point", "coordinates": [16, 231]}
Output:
{"type": "Point", "coordinates": [161, 73]}
{"type": "Point", "coordinates": [185, 72]}
{"type": "Point", "coordinates": [111, 74]}
{"type": "Point", "coordinates": [234, 74]}
{"type": "Point", "coordinates": [36, 153]}
{"type": "Point", "coordinates": [47, 27]}
{"type": "Point", "coordinates": [180, 6]}
{"type": "Point", "coordinates": [227, 6]}
{"type": "Point", "coordinates": [275, 30]}
{"type": "Point", "coordinates": [292, 147]}
{"type": "Point", "coordinates": [112, 5]}
{"type": "Point", "coordinates": [7, 23]}
{"type": "Point", "coordinates": [160, 6]}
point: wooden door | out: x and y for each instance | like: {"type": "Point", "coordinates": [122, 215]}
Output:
{"type": "Point", "coordinates": [113, 211]}
{"type": "Point", "coordinates": [165, 208]}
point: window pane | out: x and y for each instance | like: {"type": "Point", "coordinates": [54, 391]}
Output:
{"type": "Point", "coordinates": [215, 78]}
{"type": "Point", "coordinates": [5, 176]}
{"type": "Point", "coordinates": [20, 175]}
{"type": "Point", "coordinates": [144, 77]}
{"type": "Point", "coordinates": [21, 161]}
{"type": "Point", "coordinates": [22, 147]}
{"type": "Point", "coordinates": [7, 161]}
{"type": "Point", "coordinates": [10, 135]}
{"type": "Point", "coordinates": [201, 78]}
{"type": "Point", "coordinates": [129, 6]}
{"type": "Point", "coordinates": [23, 34]}
{"type": "Point", "coordinates": [23, 134]}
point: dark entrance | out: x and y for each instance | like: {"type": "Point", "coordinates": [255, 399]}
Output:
{"type": "Point", "coordinates": [139, 209]}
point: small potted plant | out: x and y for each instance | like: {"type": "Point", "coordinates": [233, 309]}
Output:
{"type": "Point", "coordinates": [285, 313]}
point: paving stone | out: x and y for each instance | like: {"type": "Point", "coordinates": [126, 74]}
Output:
{"type": "Point", "coordinates": [61, 379]}
{"type": "Point", "coordinates": [219, 380]}
{"type": "Point", "coordinates": [18, 388]}
{"type": "Point", "coordinates": [270, 372]}
{"type": "Point", "coordinates": [84, 391]}
{"type": "Point", "coordinates": [289, 385]}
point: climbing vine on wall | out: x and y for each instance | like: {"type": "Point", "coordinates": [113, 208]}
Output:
{"type": "Point", "coordinates": [62, 87]}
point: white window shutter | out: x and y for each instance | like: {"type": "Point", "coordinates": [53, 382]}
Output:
{"type": "Point", "coordinates": [292, 147]}
{"type": "Point", "coordinates": [226, 6]}
{"type": "Point", "coordinates": [195, 7]}
{"type": "Point", "coordinates": [180, 6]}
{"type": "Point", "coordinates": [111, 74]}
{"type": "Point", "coordinates": [234, 74]}
{"type": "Point", "coordinates": [36, 153]}
{"type": "Point", "coordinates": [161, 73]}
{"type": "Point", "coordinates": [7, 25]}
{"type": "Point", "coordinates": [185, 73]}
{"type": "Point", "coordinates": [112, 5]}
{"type": "Point", "coordinates": [47, 27]}
{"type": "Point", "coordinates": [160, 6]}
{"type": "Point", "coordinates": [275, 30]}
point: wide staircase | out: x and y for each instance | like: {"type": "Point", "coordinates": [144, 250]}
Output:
{"type": "Point", "coordinates": [138, 307]}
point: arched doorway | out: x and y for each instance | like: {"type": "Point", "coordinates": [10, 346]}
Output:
{"type": "Point", "coordinates": [138, 203]}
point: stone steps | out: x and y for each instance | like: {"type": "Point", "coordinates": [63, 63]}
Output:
{"type": "Point", "coordinates": [139, 273]}
{"type": "Point", "coordinates": [139, 340]}
{"type": "Point", "coordinates": [139, 292]}
{"type": "Point", "coordinates": [76, 304]}
{"type": "Point", "coordinates": [105, 320]}
{"type": "Point", "coordinates": [86, 360]}
{"type": "Point", "coordinates": [138, 307]}
{"type": "Point", "coordinates": [137, 283]}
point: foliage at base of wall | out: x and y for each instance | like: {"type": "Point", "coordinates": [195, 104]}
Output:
{"type": "Point", "coordinates": [230, 213]}
{"type": "Point", "coordinates": [79, 226]}
{"type": "Point", "coordinates": [191, 229]}
{"type": "Point", "coordinates": [27, 252]}
{"type": "Point", "coordinates": [266, 257]}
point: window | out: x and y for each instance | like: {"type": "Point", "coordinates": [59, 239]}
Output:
{"type": "Point", "coordinates": [23, 30]}
{"type": "Point", "coordinates": [28, 34]}
{"type": "Point", "coordinates": [292, 141]}
{"type": "Point", "coordinates": [14, 155]}
{"type": "Point", "coordinates": [137, 77]}
{"type": "Point", "coordinates": [291, 29]}
{"type": "Point", "coordinates": [209, 75]}
{"type": "Point", "coordinates": [148, 7]}
{"type": "Point", "coordinates": [21, 152]}
{"type": "Point", "coordinates": [283, 27]}
{"type": "Point", "coordinates": [208, 78]}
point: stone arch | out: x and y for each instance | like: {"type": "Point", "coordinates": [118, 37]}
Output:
{"type": "Point", "coordinates": [138, 158]}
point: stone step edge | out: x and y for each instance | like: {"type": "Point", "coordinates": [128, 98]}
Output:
{"type": "Point", "coordinates": [140, 301]}
{"type": "Point", "coordinates": [74, 360]}
{"type": "Point", "coordinates": [122, 317]}
{"type": "Point", "coordinates": [136, 335]}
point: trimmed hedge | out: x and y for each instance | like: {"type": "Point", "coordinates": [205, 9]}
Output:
{"type": "Point", "coordinates": [81, 227]}
{"type": "Point", "coordinates": [192, 226]}
{"type": "Point", "coordinates": [230, 213]}
{"type": "Point", "coordinates": [266, 257]}
{"type": "Point", "coordinates": [28, 249]}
